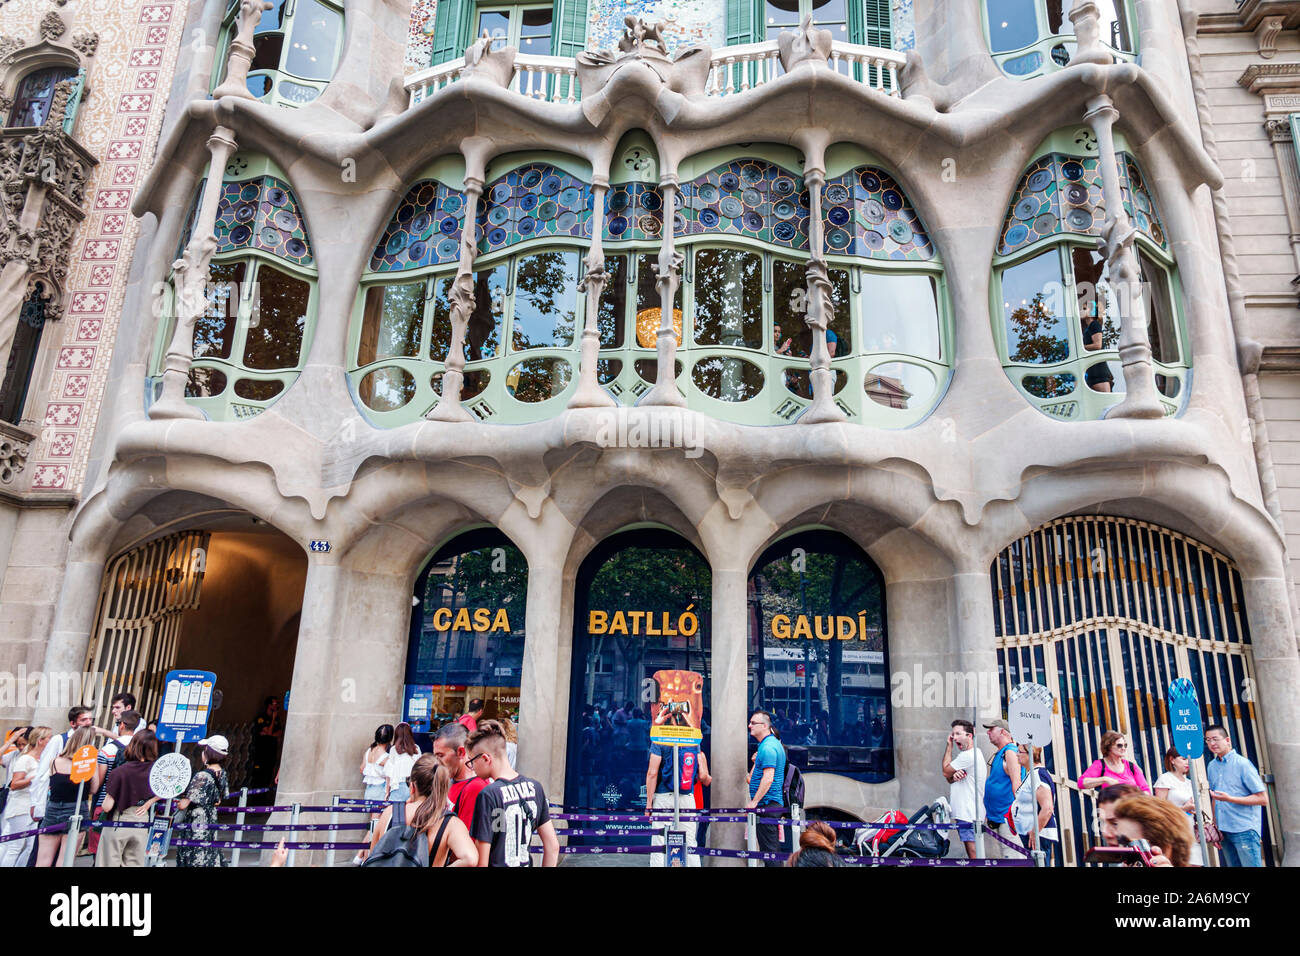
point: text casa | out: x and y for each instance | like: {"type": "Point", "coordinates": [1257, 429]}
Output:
{"type": "Point", "coordinates": [479, 620]}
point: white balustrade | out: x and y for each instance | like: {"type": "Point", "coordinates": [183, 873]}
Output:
{"type": "Point", "coordinates": [734, 69]}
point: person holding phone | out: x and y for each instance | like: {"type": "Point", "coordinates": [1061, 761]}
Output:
{"type": "Point", "coordinates": [963, 768]}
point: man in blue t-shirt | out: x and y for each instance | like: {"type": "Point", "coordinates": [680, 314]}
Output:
{"type": "Point", "coordinates": [1239, 798]}
{"type": "Point", "coordinates": [766, 783]}
{"type": "Point", "coordinates": [659, 787]}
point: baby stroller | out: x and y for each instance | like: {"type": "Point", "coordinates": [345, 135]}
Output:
{"type": "Point", "coordinates": [895, 835]}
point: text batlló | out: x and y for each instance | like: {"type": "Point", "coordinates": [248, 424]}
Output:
{"type": "Point", "coordinates": [823, 627]}
{"type": "Point", "coordinates": [631, 622]}
{"type": "Point", "coordinates": [480, 620]}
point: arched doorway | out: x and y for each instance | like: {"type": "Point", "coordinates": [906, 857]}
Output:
{"type": "Point", "coordinates": [818, 654]}
{"type": "Point", "coordinates": [641, 605]}
{"type": "Point", "coordinates": [467, 633]}
{"type": "Point", "coordinates": [1108, 612]}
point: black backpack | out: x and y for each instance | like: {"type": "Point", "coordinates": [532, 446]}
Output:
{"type": "Point", "coordinates": [792, 789]}
{"type": "Point", "coordinates": [401, 845]}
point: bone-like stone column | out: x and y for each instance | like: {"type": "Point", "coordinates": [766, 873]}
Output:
{"type": "Point", "coordinates": [669, 272]}
{"type": "Point", "coordinates": [74, 617]}
{"type": "Point", "coordinates": [540, 708]}
{"type": "Point", "coordinates": [242, 50]}
{"type": "Point", "coordinates": [729, 643]}
{"type": "Point", "coordinates": [589, 394]}
{"type": "Point", "coordinates": [191, 283]}
{"type": "Point", "coordinates": [449, 408]}
{"type": "Point", "coordinates": [819, 307]}
{"type": "Point", "coordinates": [1141, 400]}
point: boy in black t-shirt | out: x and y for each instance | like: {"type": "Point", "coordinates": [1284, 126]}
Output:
{"type": "Point", "coordinates": [510, 809]}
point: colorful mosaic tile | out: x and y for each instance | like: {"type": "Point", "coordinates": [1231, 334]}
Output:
{"type": "Point", "coordinates": [262, 214]}
{"type": "Point", "coordinates": [635, 211]}
{"type": "Point", "coordinates": [1059, 194]}
{"type": "Point", "coordinates": [747, 197]}
{"type": "Point", "coordinates": [424, 231]}
{"type": "Point", "coordinates": [868, 215]}
{"type": "Point", "coordinates": [530, 202]}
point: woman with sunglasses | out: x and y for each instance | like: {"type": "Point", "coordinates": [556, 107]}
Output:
{"type": "Point", "coordinates": [1114, 766]}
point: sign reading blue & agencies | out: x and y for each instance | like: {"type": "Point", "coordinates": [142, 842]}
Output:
{"type": "Point", "coordinates": [1185, 719]}
{"type": "Point", "coordinates": [186, 705]}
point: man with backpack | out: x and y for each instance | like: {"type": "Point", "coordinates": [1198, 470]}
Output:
{"type": "Point", "coordinates": [111, 756]}
{"type": "Point", "coordinates": [766, 785]}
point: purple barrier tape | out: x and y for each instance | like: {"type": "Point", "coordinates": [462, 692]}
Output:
{"type": "Point", "coordinates": [737, 854]}
{"type": "Point", "coordinates": [913, 861]}
{"type": "Point", "coordinates": [235, 795]}
{"type": "Point", "coordinates": [610, 850]}
{"type": "Point", "coordinates": [24, 834]}
{"type": "Point", "coordinates": [255, 809]}
{"type": "Point", "coordinates": [1005, 842]}
{"type": "Point", "coordinates": [251, 845]}
{"type": "Point", "coordinates": [616, 832]}
{"type": "Point", "coordinates": [283, 827]}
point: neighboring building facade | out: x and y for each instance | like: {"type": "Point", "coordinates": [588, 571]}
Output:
{"type": "Point", "coordinates": [837, 352]}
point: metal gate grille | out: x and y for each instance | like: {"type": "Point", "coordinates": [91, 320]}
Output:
{"type": "Point", "coordinates": [1108, 612]}
{"type": "Point", "coordinates": [138, 623]}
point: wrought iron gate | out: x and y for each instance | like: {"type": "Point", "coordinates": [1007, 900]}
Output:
{"type": "Point", "coordinates": [143, 597]}
{"type": "Point", "coordinates": [1108, 612]}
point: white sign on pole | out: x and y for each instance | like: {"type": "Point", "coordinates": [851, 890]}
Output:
{"type": "Point", "coordinates": [1029, 714]}
{"type": "Point", "coordinates": [170, 775]}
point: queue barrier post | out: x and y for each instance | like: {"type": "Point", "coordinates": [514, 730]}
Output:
{"type": "Point", "coordinates": [293, 819]}
{"type": "Point", "coordinates": [239, 819]}
{"type": "Point", "coordinates": [751, 836]}
{"type": "Point", "coordinates": [334, 819]}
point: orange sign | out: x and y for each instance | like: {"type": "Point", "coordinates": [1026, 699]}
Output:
{"type": "Point", "coordinates": [83, 764]}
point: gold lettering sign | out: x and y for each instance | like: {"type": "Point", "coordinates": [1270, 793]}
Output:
{"type": "Point", "coordinates": [480, 620]}
{"type": "Point", "coordinates": [823, 627]}
{"type": "Point", "coordinates": [649, 623]}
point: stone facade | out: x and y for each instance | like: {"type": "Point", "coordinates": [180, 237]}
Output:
{"type": "Point", "coordinates": [933, 505]}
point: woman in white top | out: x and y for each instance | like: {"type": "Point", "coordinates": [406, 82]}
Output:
{"type": "Point", "coordinates": [512, 739]}
{"type": "Point", "coordinates": [18, 810]}
{"type": "Point", "coordinates": [1173, 785]}
{"type": "Point", "coordinates": [373, 762]}
{"type": "Point", "coordinates": [401, 758]}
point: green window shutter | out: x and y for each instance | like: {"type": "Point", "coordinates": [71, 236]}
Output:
{"type": "Point", "coordinates": [876, 25]}
{"type": "Point", "coordinates": [569, 19]}
{"type": "Point", "coordinates": [74, 101]}
{"type": "Point", "coordinates": [453, 30]}
{"type": "Point", "coordinates": [744, 21]}
{"type": "Point", "coordinates": [1295, 134]}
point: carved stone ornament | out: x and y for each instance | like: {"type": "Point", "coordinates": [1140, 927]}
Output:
{"type": "Point", "coordinates": [1279, 130]}
{"type": "Point", "coordinates": [52, 26]}
{"type": "Point", "coordinates": [642, 65]}
{"type": "Point", "coordinates": [1266, 35]}
{"type": "Point", "coordinates": [86, 42]}
{"type": "Point", "coordinates": [1087, 29]}
{"type": "Point", "coordinates": [13, 458]}
{"type": "Point", "coordinates": [807, 44]}
{"type": "Point", "coordinates": [495, 66]}
{"type": "Point", "coordinates": [10, 45]}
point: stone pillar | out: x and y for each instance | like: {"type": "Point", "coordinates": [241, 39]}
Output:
{"type": "Point", "coordinates": [1277, 673]}
{"type": "Point", "coordinates": [242, 50]}
{"type": "Point", "coordinates": [589, 394]}
{"type": "Point", "coordinates": [348, 670]}
{"type": "Point", "coordinates": [74, 617]}
{"type": "Point", "coordinates": [449, 408]}
{"type": "Point", "coordinates": [543, 715]}
{"type": "Point", "coordinates": [1141, 400]}
{"type": "Point", "coordinates": [820, 308]}
{"type": "Point", "coordinates": [729, 741]}
{"type": "Point", "coordinates": [669, 272]}
{"type": "Point", "coordinates": [191, 284]}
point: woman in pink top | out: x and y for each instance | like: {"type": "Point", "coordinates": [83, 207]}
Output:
{"type": "Point", "coordinates": [1114, 766]}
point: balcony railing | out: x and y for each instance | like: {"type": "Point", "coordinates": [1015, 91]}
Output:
{"type": "Point", "coordinates": [733, 69]}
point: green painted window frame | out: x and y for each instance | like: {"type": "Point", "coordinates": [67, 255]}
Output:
{"type": "Point", "coordinates": [1044, 45]}
{"type": "Point", "coordinates": [1082, 403]}
{"type": "Point", "coordinates": [275, 94]}
{"type": "Point", "coordinates": [775, 404]}
{"type": "Point", "coordinates": [455, 22]}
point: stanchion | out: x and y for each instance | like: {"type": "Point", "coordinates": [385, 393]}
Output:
{"type": "Point", "coordinates": [334, 819]}
{"type": "Point", "coordinates": [239, 819]}
{"type": "Point", "coordinates": [293, 820]}
{"type": "Point", "coordinates": [751, 837]}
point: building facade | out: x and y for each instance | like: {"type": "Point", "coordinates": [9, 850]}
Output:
{"type": "Point", "coordinates": [865, 360]}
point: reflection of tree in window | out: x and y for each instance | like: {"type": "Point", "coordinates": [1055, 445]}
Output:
{"type": "Point", "coordinates": [214, 332]}
{"type": "Point", "coordinates": [728, 298]}
{"type": "Point", "coordinates": [392, 321]}
{"type": "Point", "coordinates": [484, 320]}
{"type": "Point", "coordinates": [276, 328]}
{"type": "Point", "coordinates": [790, 309]}
{"type": "Point", "coordinates": [1034, 325]}
{"type": "Point", "coordinates": [546, 292]}
{"type": "Point", "coordinates": [613, 304]}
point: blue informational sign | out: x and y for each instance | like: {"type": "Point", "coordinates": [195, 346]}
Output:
{"type": "Point", "coordinates": [186, 705]}
{"type": "Point", "coordinates": [1185, 719]}
{"type": "Point", "coordinates": [676, 848]}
